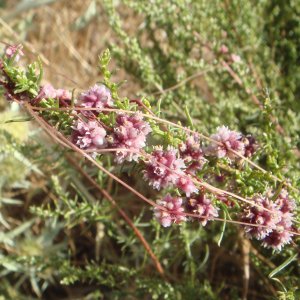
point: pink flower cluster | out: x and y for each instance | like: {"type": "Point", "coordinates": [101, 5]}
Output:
{"type": "Point", "coordinates": [234, 58]}
{"type": "Point", "coordinates": [176, 168]}
{"type": "Point", "coordinates": [14, 51]}
{"type": "Point", "coordinates": [130, 132]}
{"type": "Point", "coordinates": [171, 211]}
{"type": "Point", "coordinates": [48, 91]}
{"type": "Point", "coordinates": [167, 168]}
{"type": "Point", "coordinates": [225, 141]}
{"type": "Point", "coordinates": [224, 49]}
{"type": "Point", "coordinates": [264, 215]}
{"type": "Point", "coordinates": [164, 169]}
{"type": "Point", "coordinates": [98, 96]}
{"type": "Point", "coordinates": [272, 220]}
{"type": "Point", "coordinates": [285, 204]}
{"type": "Point", "coordinates": [202, 206]}
{"type": "Point", "coordinates": [250, 145]}
{"type": "Point", "coordinates": [88, 135]}
{"type": "Point", "coordinates": [192, 154]}
{"type": "Point", "coordinates": [282, 235]}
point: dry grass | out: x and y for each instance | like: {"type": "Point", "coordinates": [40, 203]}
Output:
{"type": "Point", "coordinates": [70, 55]}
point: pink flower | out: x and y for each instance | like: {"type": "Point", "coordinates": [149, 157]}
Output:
{"type": "Point", "coordinates": [192, 154]}
{"type": "Point", "coordinates": [202, 206]}
{"type": "Point", "coordinates": [224, 49]}
{"type": "Point", "coordinates": [226, 140]}
{"type": "Point", "coordinates": [186, 184]}
{"type": "Point", "coordinates": [250, 145]}
{"type": "Point", "coordinates": [163, 169]}
{"type": "Point", "coordinates": [173, 212]}
{"type": "Point", "coordinates": [259, 216]}
{"type": "Point", "coordinates": [88, 135]}
{"type": "Point", "coordinates": [98, 96]}
{"type": "Point", "coordinates": [279, 236]}
{"type": "Point", "coordinates": [63, 94]}
{"type": "Point", "coordinates": [285, 204]}
{"type": "Point", "coordinates": [235, 58]}
{"type": "Point", "coordinates": [282, 234]}
{"type": "Point", "coordinates": [48, 91]}
{"type": "Point", "coordinates": [279, 223]}
{"type": "Point", "coordinates": [14, 51]}
{"type": "Point", "coordinates": [130, 132]}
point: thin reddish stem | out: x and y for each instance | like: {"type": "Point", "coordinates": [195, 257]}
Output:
{"type": "Point", "coordinates": [275, 178]}
{"type": "Point", "coordinates": [121, 212]}
{"type": "Point", "coordinates": [195, 181]}
{"type": "Point", "coordinates": [152, 203]}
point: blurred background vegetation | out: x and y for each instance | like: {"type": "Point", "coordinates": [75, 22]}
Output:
{"type": "Point", "coordinates": [232, 62]}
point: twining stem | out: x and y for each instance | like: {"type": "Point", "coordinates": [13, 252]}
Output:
{"type": "Point", "coordinates": [197, 182]}
{"type": "Point", "coordinates": [150, 116]}
{"type": "Point", "coordinates": [65, 141]}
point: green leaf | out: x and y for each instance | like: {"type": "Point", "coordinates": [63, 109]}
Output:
{"type": "Point", "coordinates": [20, 229]}
{"type": "Point", "coordinates": [10, 201]}
{"type": "Point", "coordinates": [223, 228]}
{"type": "Point", "coordinates": [189, 118]}
{"type": "Point", "coordinates": [203, 263]}
{"type": "Point", "coordinates": [283, 265]}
